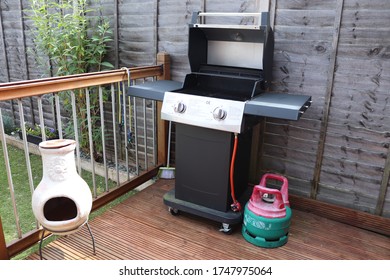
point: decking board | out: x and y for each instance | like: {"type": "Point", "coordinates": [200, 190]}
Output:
{"type": "Point", "coordinates": [141, 228]}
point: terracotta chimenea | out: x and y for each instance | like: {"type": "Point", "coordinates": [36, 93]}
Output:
{"type": "Point", "coordinates": [62, 200]}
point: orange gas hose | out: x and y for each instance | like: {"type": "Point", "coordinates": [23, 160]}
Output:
{"type": "Point", "coordinates": [236, 206]}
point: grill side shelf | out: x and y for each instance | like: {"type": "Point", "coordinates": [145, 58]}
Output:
{"type": "Point", "coordinates": [278, 105]}
{"type": "Point", "coordinates": [269, 104]}
{"type": "Point", "coordinates": [153, 90]}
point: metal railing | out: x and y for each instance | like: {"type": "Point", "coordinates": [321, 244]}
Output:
{"type": "Point", "coordinates": [132, 139]}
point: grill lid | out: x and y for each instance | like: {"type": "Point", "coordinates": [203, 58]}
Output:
{"type": "Point", "coordinates": [231, 50]}
{"type": "Point", "coordinates": [231, 68]}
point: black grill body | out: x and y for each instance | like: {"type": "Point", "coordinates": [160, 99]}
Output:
{"type": "Point", "coordinates": [203, 163]}
{"type": "Point", "coordinates": [231, 66]}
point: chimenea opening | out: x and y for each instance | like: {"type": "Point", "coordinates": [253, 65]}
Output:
{"type": "Point", "coordinates": [60, 209]}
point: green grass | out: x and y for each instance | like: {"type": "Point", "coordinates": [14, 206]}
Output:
{"type": "Point", "coordinates": [21, 189]}
{"type": "Point", "coordinates": [23, 194]}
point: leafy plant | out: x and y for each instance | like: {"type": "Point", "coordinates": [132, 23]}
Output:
{"type": "Point", "coordinates": [75, 39]}
{"type": "Point", "coordinates": [37, 131]}
{"type": "Point", "coordinates": [63, 31]}
{"type": "Point", "coordinates": [9, 124]}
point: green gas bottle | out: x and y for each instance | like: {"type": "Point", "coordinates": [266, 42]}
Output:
{"type": "Point", "coordinates": [267, 214]}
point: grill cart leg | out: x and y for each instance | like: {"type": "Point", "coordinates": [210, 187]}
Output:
{"type": "Point", "coordinates": [226, 228]}
{"type": "Point", "coordinates": [173, 211]}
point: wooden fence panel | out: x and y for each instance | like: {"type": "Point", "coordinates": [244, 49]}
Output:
{"type": "Point", "coordinates": [336, 51]}
{"type": "Point", "coordinates": [301, 65]}
{"type": "Point", "coordinates": [352, 172]}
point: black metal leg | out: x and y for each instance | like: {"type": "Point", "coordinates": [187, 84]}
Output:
{"type": "Point", "coordinates": [40, 243]}
{"type": "Point", "coordinates": [43, 235]}
{"type": "Point", "coordinates": [93, 239]}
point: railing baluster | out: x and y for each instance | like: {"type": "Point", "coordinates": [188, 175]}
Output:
{"type": "Point", "coordinates": [131, 128]}
{"type": "Point", "coordinates": [26, 150]}
{"type": "Point", "coordinates": [103, 136]}
{"type": "Point", "coordinates": [125, 127]}
{"type": "Point", "coordinates": [154, 127]}
{"type": "Point", "coordinates": [90, 141]}
{"type": "Point", "coordinates": [58, 113]}
{"type": "Point", "coordinates": [145, 134]}
{"type": "Point", "coordinates": [136, 136]}
{"type": "Point", "coordinates": [43, 132]}
{"type": "Point", "coordinates": [145, 130]}
{"type": "Point", "coordinates": [154, 132]}
{"type": "Point", "coordinates": [41, 120]}
{"type": "Point", "coordinates": [114, 132]}
{"type": "Point", "coordinates": [9, 176]}
{"type": "Point", "coordinates": [76, 131]}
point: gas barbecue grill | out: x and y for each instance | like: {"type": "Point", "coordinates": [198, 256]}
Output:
{"type": "Point", "coordinates": [215, 110]}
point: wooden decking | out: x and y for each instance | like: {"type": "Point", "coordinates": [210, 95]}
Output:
{"type": "Point", "coordinates": [142, 228]}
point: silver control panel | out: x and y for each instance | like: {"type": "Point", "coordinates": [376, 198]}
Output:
{"type": "Point", "coordinates": [203, 111]}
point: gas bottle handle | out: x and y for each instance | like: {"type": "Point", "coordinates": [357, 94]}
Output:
{"type": "Point", "coordinates": [284, 187]}
{"type": "Point", "coordinates": [259, 191]}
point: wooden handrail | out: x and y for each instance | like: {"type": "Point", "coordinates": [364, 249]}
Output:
{"type": "Point", "coordinates": [30, 88]}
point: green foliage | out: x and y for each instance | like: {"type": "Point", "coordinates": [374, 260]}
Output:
{"type": "Point", "coordinates": [74, 37]}
{"type": "Point", "coordinates": [36, 130]}
{"type": "Point", "coordinates": [67, 31]}
{"type": "Point", "coordinates": [9, 124]}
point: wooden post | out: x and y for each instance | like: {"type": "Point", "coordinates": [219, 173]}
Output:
{"type": "Point", "coordinates": [162, 126]}
{"type": "Point", "coordinates": [328, 98]}
{"type": "Point", "coordinates": [116, 34]}
{"type": "Point", "coordinates": [383, 189]}
{"type": "Point", "coordinates": [257, 152]}
{"type": "Point", "coordinates": [164, 60]}
{"type": "Point", "coordinates": [3, 246]}
{"type": "Point", "coordinates": [4, 54]}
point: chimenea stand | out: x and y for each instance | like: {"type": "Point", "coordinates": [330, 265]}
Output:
{"type": "Point", "coordinates": [43, 236]}
{"type": "Point", "coordinates": [62, 200]}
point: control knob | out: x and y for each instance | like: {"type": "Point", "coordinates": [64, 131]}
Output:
{"type": "Point", "coordinates": [219, 114]}
{"type": "Point", "coordinates": [180, 107]}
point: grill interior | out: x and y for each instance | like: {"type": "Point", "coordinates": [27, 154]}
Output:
{"type": "Point", "coordinates": [239, 88]}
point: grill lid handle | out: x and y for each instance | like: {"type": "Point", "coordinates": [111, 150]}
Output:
{"type": "Point", "coordinates": [198, 17]}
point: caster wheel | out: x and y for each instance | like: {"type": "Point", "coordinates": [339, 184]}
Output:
{"type": "Point", "coordinates": [226, 229]}
{"type": "Point", "coordinates": [173, 211]}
